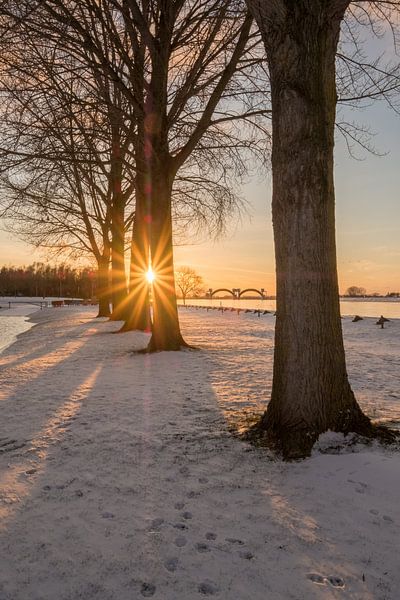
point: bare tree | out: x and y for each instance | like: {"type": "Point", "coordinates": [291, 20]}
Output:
{"type": "Point", "coordinates": [182, 105]}
{"type": "Point", "coordinates": [188, 282]}
{"type": "Point", "coordinates": [182, 68]}
{"type": "Point", "coordinates": [355, 291]}
{"type": "Point", "coordinates": [77, 120]}
{"type": "Point", "coordinates": [57, 146]}
{"type": "Point", "coordinates": [311, 392]}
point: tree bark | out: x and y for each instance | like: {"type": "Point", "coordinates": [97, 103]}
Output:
{"type": "Point", "coordinates": [136, 313]}
{"type": "Point", "coordinates": [156, 174]}
{"type": "Point", "coordinates": [103, 286]}
{"type": "Point", "coordinates": [166, 333]}
{"type": "Point", "coordinates": [118, 274]}
{"type": "Point", "coordinates": [311, 392]}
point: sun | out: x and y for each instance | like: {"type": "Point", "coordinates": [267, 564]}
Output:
{"type": "Point", "coordinates": [150, 275]}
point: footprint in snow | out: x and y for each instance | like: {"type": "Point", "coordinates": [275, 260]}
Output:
{"type": "Point", "coordinates": [187, 515]}
{"type": "Point", "coordinates": [333, 580]}
{"type": "Point", "coordinates": [360, 486]}
{"type": "Point", "coordinates": [148, 589]}
{"type": "Point", "coordinates": [203, 480]}
{"type": "Point", "coordinates": [210, 535]}
{"type": "Point", "coordinates": [208, 588]}
{"type": "Point", "coordinates": [180, 541]}
{"type": "Point", "coordinates": [179, 505]}
{"type": "Point", "coordinates": [171, 564]}
{"type": "Point", "coordinates": [202, 547]}
{"type": "Point", "coordinates": [107, 515]}
{"type": "Point", "coordinates": [336, 581]}
{"type": "Point", "coordinates": [156, 524]}
{"type": "Point", "coordinates": [246, 555]}
{"type": "Point", "coordinates": [193, 494]}
{"type": "Point", "coordinates": [181, 526]}
{"type": "Point", "coordinates": [317, 578]}
{"type": "Point", "coordinates": [7, 445]}
{"type": "Point", "coordinates": [235, 541]}
{"type": "Point", "coordinates": [387, 518]}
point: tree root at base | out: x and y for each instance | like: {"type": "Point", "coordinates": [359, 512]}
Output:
{"type": "Point", "coordinates": [296, 445]}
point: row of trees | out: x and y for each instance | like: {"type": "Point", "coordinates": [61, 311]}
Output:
{"type": "Point", "coordinates": [119, 118]}
{"type": "Point", "coordinates": [139, 116]}
{"type": "Point", "coordinates": [43, 280]}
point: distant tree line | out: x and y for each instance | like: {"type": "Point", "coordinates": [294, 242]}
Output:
{"type": "Point", "coordinates": [360, 292]}
{"type": "Point", "coordinates": [40, 279]}
{"type": "Point", "coordinates": [44, 280]}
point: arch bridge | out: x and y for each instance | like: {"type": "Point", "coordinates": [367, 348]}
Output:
{"type": "Point", "coordinates": [236, 292]}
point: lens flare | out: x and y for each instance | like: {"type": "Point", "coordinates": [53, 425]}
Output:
{"type": "Point", "coordinates": [150, 275]}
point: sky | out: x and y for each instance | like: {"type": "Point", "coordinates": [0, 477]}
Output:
{"type": "Point", "coordinates": [367, 220]}
{"type": "Point", "coordinates": [367, 223]}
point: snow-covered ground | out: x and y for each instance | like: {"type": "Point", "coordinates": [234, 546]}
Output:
{"type": "Point", "coordinates": [119, 478]}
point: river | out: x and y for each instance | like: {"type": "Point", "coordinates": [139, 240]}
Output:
{"type": "Point", "coordinates": [14, 320]}
{"type": "Point", "coordinates": [368, 307]}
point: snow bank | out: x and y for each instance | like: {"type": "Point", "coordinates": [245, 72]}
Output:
{"type": "Point", "coordinates": [120, 480]}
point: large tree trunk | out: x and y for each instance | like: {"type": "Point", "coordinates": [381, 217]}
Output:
{"type": "Point", "coordinates": [311, 392]}
{"type": "Point", "coordinates": [156, 171]}
{"type": "Point", "coordinates": [166, 334]}
{"type": "Point", "coordinates": [136, 313]}
{"type": "Point", "coordinates": [118, 274]}
{"type": "Point", "coordinates": [103, 286]}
